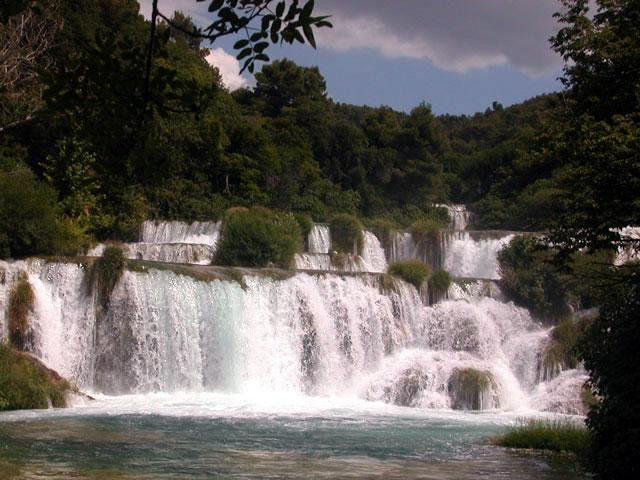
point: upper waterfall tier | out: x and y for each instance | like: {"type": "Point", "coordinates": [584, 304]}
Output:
{"type": "Point", "coordinates": [460, 217]}
{"type": "Point", "coordinates": [195, 329]}
{"type": "Point", "coordinates": [372, 259]}
{"type": "Point", "coordinates": [471, 254]}
{"type": "Point", "coordinates": [202, 233]}
{"type": "Point", "coordinates": [189, 253]}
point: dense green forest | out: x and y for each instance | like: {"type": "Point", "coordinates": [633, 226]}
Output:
{"type": "Point", "coordinates": [80, 143]}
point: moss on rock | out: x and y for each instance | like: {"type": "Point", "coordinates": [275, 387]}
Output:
{"type": "Point", "coordinates": [27, 383]}
{"type": "Point", "coordinates": [411, 271]}
{"type": "Point", "coordinates": [560, 353]}
{"type": "Point", "coordinates": [471, 389]}
{"type": "Point", "coordinates": [21, 302]}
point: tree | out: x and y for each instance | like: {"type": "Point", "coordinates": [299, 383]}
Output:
{"type": "Point", "coordinates": [600, 141]}
{"type": "Point", "coordinates": [26, 39]}
{"type": "Point", "coordinates": [283, 84]}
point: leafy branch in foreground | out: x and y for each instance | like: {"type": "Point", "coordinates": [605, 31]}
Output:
{"type": "Point", "coordinates": [262, 22]}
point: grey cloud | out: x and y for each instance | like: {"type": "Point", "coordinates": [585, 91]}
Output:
{"type": "Point", "coordinates": [454, 34]}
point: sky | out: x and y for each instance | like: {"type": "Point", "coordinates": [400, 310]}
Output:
{"type": "Point", "coordinates": [457, 55]}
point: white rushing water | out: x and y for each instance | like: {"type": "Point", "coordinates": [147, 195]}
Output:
{"type": "Point", "coordinates": [630, 251]}
{"type": "Point", "coordinates": [373, 257]}
{"type": "Point", "coordinates": [472, 254]}
{"type": "Point", "coordinates": [459, 215]}
{"type": "Point", "coordinates": [202, 233]}
{"type": "Point", "coordinates": [311, 334]}
{"type": "Point", "coordinates": [188, 253]}
{"type": "Point", "coordinates": [319, 239]}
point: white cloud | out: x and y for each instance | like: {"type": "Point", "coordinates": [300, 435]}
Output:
{"type": "Point", "coordinates": [455, 35]}
{"type": "Point", "coordinates": [228, 67]}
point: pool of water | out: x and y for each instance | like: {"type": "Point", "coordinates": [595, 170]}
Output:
{"type": "Point", "coordinates": [224, 436]}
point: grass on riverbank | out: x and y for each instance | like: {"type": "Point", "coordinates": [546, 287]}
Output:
{"type": "Point", "coordinates": [553, 435]}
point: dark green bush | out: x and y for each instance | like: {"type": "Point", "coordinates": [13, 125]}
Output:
{"type": "Point", "coordinates": [611, 355]}
{"type": "Point", "coordinates": [440, 281]}
{"type": "Point", "coordinates": [26, 383]}
{"type": "Point", "coordinates": [258, 237]}
{"type": "Point", "coordinates": [346, 234]}
{"type": "Point", "coordinates": [27, 215]}
{"type": "Point", "coordinates": [305, 223]}
{"type": "Point", "coordinates": [411, 271]}
{"type": "Point", "coordinates": [529, 277]}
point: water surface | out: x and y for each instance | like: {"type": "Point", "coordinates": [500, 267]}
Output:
{"type": "Point", "coordinates": [237, 437]}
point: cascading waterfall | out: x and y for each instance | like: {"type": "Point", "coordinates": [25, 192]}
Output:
{"type": "Point", "coordinates": [464, 254]}
{"type": "Point", "coordinates": [473, 254]}
{"type": "Point", "coordinates": [318, 334]}
{"type": "Point", "coordinates": [319, 239]}
{"type": "Point", "coordinates": [459, 215]}
{"type": "Point", "coordinates": [373, 258]}
{"type": "Point", "coordinates": [189, 253]}
{"type": "Point", "coordinates": [203, 233]}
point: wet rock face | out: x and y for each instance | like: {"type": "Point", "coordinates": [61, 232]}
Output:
{"type": "Point", "coordinates": [471, 389]}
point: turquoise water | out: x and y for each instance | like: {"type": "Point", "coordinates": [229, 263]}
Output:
{"type": "Point", "coordinates": [216, 436]}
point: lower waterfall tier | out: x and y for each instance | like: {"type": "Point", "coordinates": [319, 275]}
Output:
{"type": "Point", "coordinates": [311, 333]}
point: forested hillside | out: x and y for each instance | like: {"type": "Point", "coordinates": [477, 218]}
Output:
{"type": "Point", "coordinates": [88, 150]}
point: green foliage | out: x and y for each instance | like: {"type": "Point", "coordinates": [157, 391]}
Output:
{"type": "Point", "coordinates": [561, 352]}
{"type": "Point", "coordinates": [611, 356]}
{"type": "Point", "coordinates": [440, 281]}
{"type": "Point", "coordinates": [21, 303]}
{"type": "Point", "coordinates": [553, 435]}
{"type": "Point", "coordinates": [305, 223]}
{"type": "Point", "coordinates": [411, 271]}
{"type": "Point", "coordinates": [258, 237]}
{"type": "Point", "coordinates": [108, 270]}
{"type": "Point", "coordinates": [346, 234]}
{"type": "Point", "coordinates": [529, 277]}
{"type": "Point", "coordinates": [26, 383]}
{"type": "Point", "coordinates": [28, 212]}
{"type": "Point", "coordinates": [71, 171]}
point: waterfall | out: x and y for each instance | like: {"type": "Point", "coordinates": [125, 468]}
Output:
{"type": "Point", "coordinates": [203, 233]}
{"type": "Point", "coordinates": [372, 258]}
{"type": "Point", "coordinates": [468, 254]}
{"type": "Point", "coordinates": [323, 334]}
{"type": "Point", "coordinates": [63, 318]}
{"type": "Point", "coordinates": [459, 215]}
{"type": "Point", "coordinates": [319, 239]}
{"type": "Point", "coordinates": [630, 250]}
{"type": "Point", "coordinates": [189, 253]}
{"type": "Point", "coordinates": [474, 254]}
{"type": "Point", "coordinates": [373, 255]}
